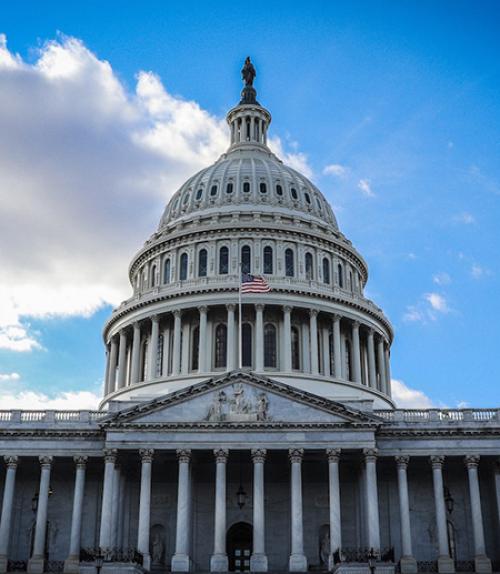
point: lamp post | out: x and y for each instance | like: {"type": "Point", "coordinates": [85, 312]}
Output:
{"type": "Point", "coordinates": [372, 560]}
{"type": "Point", "coordinates": [99, 561]}
{"type": "Point", "coordinates": [448, 500]}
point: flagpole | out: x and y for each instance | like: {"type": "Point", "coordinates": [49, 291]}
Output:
{"type": "Point", "coordinates": [240, 321]}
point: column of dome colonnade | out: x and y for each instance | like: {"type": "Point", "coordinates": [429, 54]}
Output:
{"type": "Point", "coordinates": [318, 343]}
{"type": "Point", "coordinates": [298, 456]}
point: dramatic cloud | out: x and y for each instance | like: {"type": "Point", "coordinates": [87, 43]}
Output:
{"type": "Point", "coordinates": [365, 186]}
{"type": "Point", "coordinates": [407, 398]}
{"type": "Point", "coordinates": [335, 169]}
{"type": "Point", "coordinates": [86, 168]}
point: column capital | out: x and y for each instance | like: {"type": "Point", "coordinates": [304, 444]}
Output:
{"type": "Point", "coordinates": [313, 312]}
{"type": "Point", "coordinates": [11, 461]}
{"type": "Point", "coordinates": [287, 308]}
{"type": "Point", "coordinates": [333, 454]}
{"type": "Point", "coordinates": [370, 454]}
{"type": "Point", "coordinates": [295, 454]}
{"type": "Point", "coordinates": [258, 454]}
{"type": "Point", "coordinates": [155, 318]}
{"type": "Point", "coordinates": [221, 454]}
{"type": "Point", "coordinates": [336, 317]}
{"type": "Point", "coordinates": [183, 454]}
{"type": "Point", "coordinates": [80, 461]}
{"type": "Point", "coordinates": [437, 461]}
{"type": "Point", "coordinates": [176, 312]}
{"type": "Point", "coordinates": [136, 325]}
{"type": "Point", "coordinates": [371, 332]}
{"type": "Point", "coordinates": [45, 460]}
{"type": "Point", "coordinates": [471, 460]}
{"type": "Point", "coordinates": [402, 460]}
{"type": "Point", "coordinates": [146, 454]}
{"type": "Point", "coordinates": [203, 309]}
{"type": "Point", "coordinates": [231, 307]}
{"type": "Point", "coordinates": [110, 455]}
{"type": "Point", "coordinates": [259, 307]}
{"type": "Point", "coordinates": [355, 324]}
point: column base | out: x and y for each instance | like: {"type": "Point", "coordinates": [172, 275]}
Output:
{"type": "Point", "coordinates": [180, 563]}
{"type": "Point", "coordinates": [408, 565]}
{"type": "Point", "coordinates": [258, 563]}
{"type": "Point", "coordinates": [297, 563]}
{"type": "Point", "coordinates": [72, 565]}
{"type": "Point", "coordinates": [146, 561]}
{"type": "Point", "coordinates": [219, 563]}
{"type": "Point", "coordinates": [482, 563]}
{"type": "Point", "coordinates": [36, 565]}
{"type": "Point", "coordinates": [446, 565]}
{"type": "Point", "coordinates": [3, 564]}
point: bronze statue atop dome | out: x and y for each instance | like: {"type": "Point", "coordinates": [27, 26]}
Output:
{"type": "Point", "coordinates": [248, 72]}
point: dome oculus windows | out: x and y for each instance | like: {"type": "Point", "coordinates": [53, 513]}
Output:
{"type": "Point", "coordinates": [213, 191]}
{"type": "Point", "coordinates": [279, 190]}
{"type": "Point", "coordinates": [198, 195]}
{"type": "Point", "coordinates": [293, 193]}
{"type": "Point", "coordinates": [263, 187]}
{"type": "Point", "coordinates": [229, 188]}
{"type": "Point", "coordinates": [246, 187]}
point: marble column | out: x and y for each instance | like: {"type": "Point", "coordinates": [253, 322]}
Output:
{"type": "Point", "coordinates": [372, 514]}
{"type": "Point", "coordinates": [408, 563]}
{"type": "Point", "coordinates": [313, 334]}
{"type": "Point", "coordinates": [356, 353]}
{"type": "Point", "coordinates": [72, 562]}
{"type": "Point", "coordinates": [298, 560]}
{"type": "Point", "coordinates": [333, 455]}
{"type": "Point", "coordinates": [287, 338]}
{"type": "Point", "coordinates": [11, 463]}
{"type": "Point", "coordinates": [181, 561]}
{"type": "Point", "coordinates": [202, 344]}
{"type": "Point", "coordinates": [153, 348]}
{"type": "Point", "coordinates": [115, 506]}
{"type": "Point", "coordinates": [122, 360]}
{"type": "Point", "coordinates": [145, 506]}
{"type": "Point", "coordinates": [445, 562]}
{"type": "Point", "coordinates": [176, 351]}
{"type": "Point", "coordinates": [231, 338]}
{"type": "Point", "coordinates": [372, 368]}
{"type": "Point", "coordinates": [387, 370]}
{"type": "Point", "coordinates": [259, 337]}
{"type": "Point", "coordinates": [107, 498]}
{"type": "Point", "coordinates": [218, 560]}
{"type": "Point", "coordinates": [481, 562]}
{"type": "Point", "coordinates": [136, 355]}
{"type": "Point", "coordinates": [305, 363]}
{"type": "Point", "coordinates": [337, 348]}
{"type": "Point", "coordinates": [37, 560]}
{"type": "Point", "coordinates": [381, 364]}
{"type": "Point", "coordinates": [113, 355]}
{"type": "Point", "coordinates": [326, 351]}
{"type": "Point", "coordinates": [258, 560]}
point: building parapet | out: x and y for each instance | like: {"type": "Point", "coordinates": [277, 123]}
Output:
{"type": "Point", "coordinates": [440, 415]}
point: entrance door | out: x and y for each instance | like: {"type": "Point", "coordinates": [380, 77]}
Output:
{"type": "Point", "coordinates": [239, 547]}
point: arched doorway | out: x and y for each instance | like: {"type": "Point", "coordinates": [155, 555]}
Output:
{"type": "Point", "coordinates": [239, 546]}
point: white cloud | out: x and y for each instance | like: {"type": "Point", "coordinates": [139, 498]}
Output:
{"type": "Point", "coordinates": [407, 398]}
{"type": "Point", "coordinates": [86, 168]}
{"type": "Point", "coordinates": [30, 400]}
{"type": "Point", "coordinates": [427, 309]}
{"type": "Point", "coordinates": [441, 278]}
{"type": "Point", "coordinates": [437, 302]}
{"type": "Point", "coordinates": [465, 218]}
{"type": "Point", "coordinates": [335, 169]}
{"type": "Point", "coordinates": [365, 186]}
{"type": "Point", "coordinates": [478, 271]}
{"type": "Point", "coordinates": [4, 377]}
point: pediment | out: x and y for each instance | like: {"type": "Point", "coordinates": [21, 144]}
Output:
{"type": "Point", "coordinates": [239, 398]}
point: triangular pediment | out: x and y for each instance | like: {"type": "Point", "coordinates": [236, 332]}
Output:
{"type": "Point", "coordinates": [239, 398]}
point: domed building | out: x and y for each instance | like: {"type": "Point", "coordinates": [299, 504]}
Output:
{"type": "Point", "coordinates": [247, 422]}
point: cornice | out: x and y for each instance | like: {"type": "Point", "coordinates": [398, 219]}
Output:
{"type": "Point", "coordinates": [51, 432]}
{"type": "Point", "coordinates": [418, 433]}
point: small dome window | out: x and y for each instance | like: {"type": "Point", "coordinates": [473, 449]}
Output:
{"type": "Point", "coordinates": [229, 188]}
{"type": "Point", "coordinates": [176, 204]}
{"type": "Point", "coordinates": [199, 193]}
{"type": "Point", "coordinates": [213, 190]}
{"type": "Point", "coordinates": [318, 203]}
{"type": "Point", "coordinates": [186, 199]}
{"type": "Point", "coordinates": [279, 190]}
{"type": "Point", "coordinates": [307, 198]}
{"type": "Point", "coordinates": [293, 193]}
{"type": "Point", "coordinates": [246, 187]}
{"type": "Point", "coordinates": [263, 188]}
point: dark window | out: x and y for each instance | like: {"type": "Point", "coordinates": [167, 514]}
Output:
{"type": "Point", "coordinates": [351, 281]}
{"type": "Point", "coordinates": [309, 267]}
{"type": "Point", "coordinates": [202, 263]}
{"type": "Point", "coordinates": [229, 188]}
{"type": "Point", "coordinates": [199, 193]}
{"type": "Point", "coordinates": [213, 190]}
{"type": "Point", "coordinates": [308, 198]}
{"type": "Point", "coordinates": [246, 187]}
{"type": "Point", "coordinates": [340, 272]}
{"type": "Point", "coordinates": [195, 349]}
{"type": "Point", "coordinates": [270, 358]}
{"type": "Point", "coordinates": [348, 358]}
{"type": "Point", "coordinates": [263, 188]}
{"type": "Point", "coordinates": [246, 256]}
{"type": "Point", "coordinates": [183, 273]}
{"type": "Point", "coordinates": [144, 360]}
{"type": "Point", "coordinates": [268, 260]}
{"type": "Point", "coordinates": [279, 190]}
{"type": "Point", "coordinates": [318, 203]}
{"type": "Point", "coordinates": [295, 349]}
{"type": "Point", "coordinates": [152, 280]}
{"type": "Point", "coordinates": [293, 192]}
{"type": "Point", "coordinates": [220, 346]}
{"type": "Point", "coordinates": [289, 263]}
{"type": "Point", "coordinates": [246, 344]}
{"type": "Point", "coordinates": [186, 199]}
{"type": "Point", "coordinates": [224, 261]}
{"type": "Point", "coordinates": [166, 271]}
{"type": "Point", "coordinates": [326, 270]}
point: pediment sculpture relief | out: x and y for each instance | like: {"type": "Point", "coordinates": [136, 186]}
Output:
{"type": "Point", "coordinates": [236, 405]}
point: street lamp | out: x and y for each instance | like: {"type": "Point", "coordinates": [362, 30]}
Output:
{"type": "Point", "coordinates": [241, 497]}
{"type": "Point", "coordinates": [372, 559]}
{"type": "Point", "coordinates": [448, 500]}
{"type": "Point", "coordinates": [99, 561]}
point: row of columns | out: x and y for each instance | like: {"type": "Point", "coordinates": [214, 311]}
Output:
{"type": "Point", "coordinates": [181, 561]}
{"type": "Point", "coordinates": [377, 350]}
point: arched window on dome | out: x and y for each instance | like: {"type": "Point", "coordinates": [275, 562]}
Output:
{"type": "Point", "coordinates": [246, 187]}
{"type": "Point", "coordinates": [295, 349]}
{"type": "Point", "coordinates": [293, 193]}
{"type": "Point", "coordinates": [246, 344]}
{"type": "Point", "coordinates": [202, 263]}
{"type": "Point", "coordinates": [185, 199]}
{"type": "Point", "coordinates": [246, 259]}
{"type": "Point", "coordinates": [268, 260]}
{"type": "Point", "coordinates": [213, 191]}
{"type": "Point", "coordinates": [195, 348]}
{"type": "Point", "coordinates": [318, 203]}
{"type": "Point", "coordinates": [152, 276]}
{"type": "Point", "coordinates": [183, 271]}
{"type": "Point", "coordinates": [340, 273]}
{"type": "Point", "coordinates": [289, 263]}
{"type": "Point", "coordinates": [279, 190]}
{"type": "Point", "coordinates": [326, 270]}
{"type": "Point", "coordinates": [198, 195]}
{"type": "Point", "coordinates": [307, 198]}
{"type": "Point", "coordinates": [220, 346]}
{"type": "Point", "coordinates": [263, 187]}
{"type": "Point", "coordinates": [224, 260]}
{"type": "Point", "coordinates": [309, 266]}
{"type": "Point", "coordinates": [166, 270]}
{"type": "Point", "coordinates": [229, 188]}
{"type": "Point", "coordinates": [270, 346]}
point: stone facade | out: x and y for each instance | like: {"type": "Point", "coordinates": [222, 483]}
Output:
{"type": "Point", "coordinates": [251, 432]}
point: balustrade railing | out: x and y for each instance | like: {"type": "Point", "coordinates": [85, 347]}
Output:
{"type": "Point", "coordinates": [439, 415]}
{"type": "Point", "coordinates": [50, 416]}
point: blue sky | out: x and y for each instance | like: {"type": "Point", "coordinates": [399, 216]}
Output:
{"type": "Point", "coordinates": [400, 99]}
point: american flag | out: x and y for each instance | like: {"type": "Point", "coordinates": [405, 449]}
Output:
{"type": "Point", "coordinates": [254, 284]}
